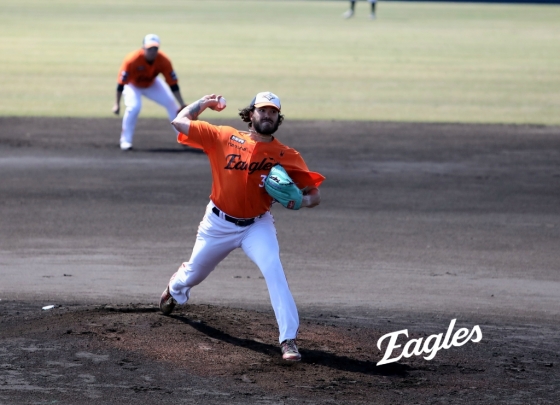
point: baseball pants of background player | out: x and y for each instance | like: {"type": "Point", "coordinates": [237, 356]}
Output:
{"type": "Point", "coordinates": [215, 239]}
{"type": "Point", "coordinates": [158, 92]}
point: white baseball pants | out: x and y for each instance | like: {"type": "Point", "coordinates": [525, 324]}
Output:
{"type": "Point", "coordinates": [158, 92]}
{"type": "Point", "coordinates": [215, 239]}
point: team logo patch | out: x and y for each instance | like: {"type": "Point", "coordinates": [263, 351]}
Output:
{"type": "Point", "coordinates": [237, 139]}
{"type": "Point", "coordinates": [269, 96]}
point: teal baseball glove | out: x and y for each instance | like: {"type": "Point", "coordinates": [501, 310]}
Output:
{"type": "Point", "coordinates": [280, 186]}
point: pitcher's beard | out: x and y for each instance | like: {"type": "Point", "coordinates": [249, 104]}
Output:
{"type": "Point", "coordinates": [266, 129]}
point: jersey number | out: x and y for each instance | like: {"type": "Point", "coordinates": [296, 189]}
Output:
{"type": "Point", "coordinates": [263, 178]}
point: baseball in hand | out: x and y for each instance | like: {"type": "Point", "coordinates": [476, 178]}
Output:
{"type": "Point", "coordinates": [221, 103]}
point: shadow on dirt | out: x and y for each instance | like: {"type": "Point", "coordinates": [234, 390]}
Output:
{"type": "Point", "coordinates": [318, 357]}
{"type": "Point", "coordinates": [132, 309]}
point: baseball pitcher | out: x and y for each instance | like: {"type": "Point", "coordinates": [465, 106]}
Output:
{"type": "Point", "coordinates": [250, 170]}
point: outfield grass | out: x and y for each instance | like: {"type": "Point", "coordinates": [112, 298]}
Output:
{"type": "Point", "coordinates": [417, 62]}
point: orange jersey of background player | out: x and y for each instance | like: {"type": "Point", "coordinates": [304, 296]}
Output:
{"type": "Point", "coordinates": [240, 165]}
{"type": "Point", "coordinates": [136, 70]}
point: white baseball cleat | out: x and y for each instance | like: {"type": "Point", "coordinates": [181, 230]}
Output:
{"type": "Point", "coordinates": [167, 302]}
{"type": "Point", "coordinates": [348, 13]}
{"type": "Point", "coordinates": [372, 16]}
{"type": "Point", "coordinates": [289, 350]}
{"type": "Point", "coordinates": [126, 145]}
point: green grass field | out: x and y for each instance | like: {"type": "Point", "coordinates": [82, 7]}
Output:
{"type": "Point", "coordinates": [444, 62]}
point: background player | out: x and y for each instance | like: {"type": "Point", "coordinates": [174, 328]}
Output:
{"type": "Point", "coordinates": [350, 12]}
{"type": "Point", "coordinates": [139, 77]}
{"type": "Point", "coordinates": [238, 215]}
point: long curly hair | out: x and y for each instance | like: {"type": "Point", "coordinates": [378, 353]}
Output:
{"type": "Point", "coordinates": [245, 115]}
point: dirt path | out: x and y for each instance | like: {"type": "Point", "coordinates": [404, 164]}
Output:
{"type": "Point", "coordinates": [420, 224]}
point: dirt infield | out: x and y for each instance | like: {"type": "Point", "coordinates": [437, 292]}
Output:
{"type": "Point", "coordinates": [209, 355]}
{"type": "Point", "coordinates": [420, 224]}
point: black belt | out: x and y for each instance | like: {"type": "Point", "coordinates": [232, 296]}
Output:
{"type": "Point", "coordinates": [236, 221]}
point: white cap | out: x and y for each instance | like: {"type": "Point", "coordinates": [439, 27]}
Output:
{"type": "Point", "coordinates": [266, 98]}
{"type": "Point", "coordinates": [151, 40]}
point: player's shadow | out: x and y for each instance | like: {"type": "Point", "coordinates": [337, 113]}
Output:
{"type": "Point", "coordinates": [318, 357]}
{"type": "Point", "coordinates": [129, 309]}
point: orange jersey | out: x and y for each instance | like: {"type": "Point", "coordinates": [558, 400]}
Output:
{"type": "Point", "coordinates": [240, 165]}
{"type": "Point", "coordinates": [136, 70]}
